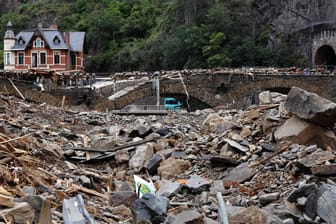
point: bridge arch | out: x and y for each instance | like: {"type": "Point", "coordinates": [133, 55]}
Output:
{"type": "Point", "coordinates": [225, 89]}
{"type": "Point", "coordinates": [325, 55]}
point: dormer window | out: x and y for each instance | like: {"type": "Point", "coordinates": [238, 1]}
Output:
{"type": "Point", "coordinates": [38, 43]}
{"type": "Point", "coordinates": [21, 41]}
{"type": "Point", "coordinates": [57, 40]}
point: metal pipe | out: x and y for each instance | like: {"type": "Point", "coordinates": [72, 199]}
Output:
{"type": "Point", "coordinates": [222, 210]}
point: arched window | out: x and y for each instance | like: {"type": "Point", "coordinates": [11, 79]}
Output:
{"type": "Point", "coordinates": [38, 43]}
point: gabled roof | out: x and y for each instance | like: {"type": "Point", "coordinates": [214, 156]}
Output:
{"type": "Point", "coordinates": [53, 38]}
{"type": "Point", "coordinates": [77, 41]}
{"type": "Point", "coordinates": [26, 36]}
{"type": "Point", "coordinates": [49, 37]}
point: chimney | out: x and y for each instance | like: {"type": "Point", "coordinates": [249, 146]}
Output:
{"type": "Point", "coordinates": [39, 26]}
{"type": "Point", "coordinates": [53, 26]}
{"type": "Point", "coordinates": [68, 57]}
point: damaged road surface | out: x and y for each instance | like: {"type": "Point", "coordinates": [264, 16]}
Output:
{"type": "Point", "coordinates": [271, 163]}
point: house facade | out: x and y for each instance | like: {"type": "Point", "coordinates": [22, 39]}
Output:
{"type": "Point", "coordinates": [44, 49]}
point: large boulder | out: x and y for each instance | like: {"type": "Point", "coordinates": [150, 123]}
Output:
{"type": "Point", "coordinates": [326, 203]}
{"type": "Point", "coordinates": [311, 107]}
{"type": "Point", "coordinates": [302, 132]}
{"type": "Point", "coordinates": [215, 123]}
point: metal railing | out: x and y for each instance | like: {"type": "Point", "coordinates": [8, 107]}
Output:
{"type": "Point", "coordinates": [144, 107]}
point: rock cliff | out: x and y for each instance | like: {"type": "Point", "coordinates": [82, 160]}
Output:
{"type": "Point", "coordinates": [291, 16]}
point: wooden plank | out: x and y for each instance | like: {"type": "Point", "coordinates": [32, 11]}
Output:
{"type": "Point", "coordinates": [6, 201]}
{"type": "Point", "coordinates": [88, 191]}
{"type": "Point", "coordinates": [3, 191]}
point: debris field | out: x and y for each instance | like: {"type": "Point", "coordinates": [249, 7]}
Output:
{"type": "Point", "coordinates": [273, 162]}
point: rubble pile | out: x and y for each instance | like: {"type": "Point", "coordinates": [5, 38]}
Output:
{"type": "Point", "coordinates": [271, 163]}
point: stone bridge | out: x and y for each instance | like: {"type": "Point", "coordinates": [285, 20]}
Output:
{"type": "Point", "coordinates": [196, 89]}
{"type": "Point", "coordinates": [217, 89]}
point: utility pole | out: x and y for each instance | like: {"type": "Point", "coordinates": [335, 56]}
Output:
{"type": "Point", "coordinates": [158, 91]}
{"type": "Point", "coordinates": [156, 88]}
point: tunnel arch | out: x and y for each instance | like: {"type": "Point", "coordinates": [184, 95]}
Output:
{"type": "Point", "coordinates": [325, 55]}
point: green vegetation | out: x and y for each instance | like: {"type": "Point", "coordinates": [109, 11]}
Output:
{"type": "Point", "coordinates": [126, 35]}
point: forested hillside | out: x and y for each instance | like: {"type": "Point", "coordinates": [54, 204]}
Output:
{"type": "Point", "coordinates": [147, 35]}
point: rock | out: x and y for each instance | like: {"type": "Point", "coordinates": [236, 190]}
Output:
{"type": "Point", "coordinates": [250, 215]}
{"type": "Point", "coordinates": [21, 213]}
{"type": "Point", "coordinates": [172, 167]}
{"type": "Point", "coordinates": [160, 145]}
{"type": "Point", "coordinates": [310, 207]}
{"type": "Point", "coordinates": [123, 185]}
{"type": "Point", "coordinates": [326, 203]}
{"type": "Point", "coordinates": [197, 184]}
{"type": "Point", "coordinates": [217, 186]}
{"type": "Point", "coordinates": [311, 107]}
{"type": "Point", "coordinates": [222, 161]}
{"type": "Point", "coordinates": [122, 197]}
{"type": "Point", "coordinates": [265, 97]}
{"type": "Point", "coordinates": [85, 181]}
{"type": "Point", "coordinates": [53, 149]}
{"type": "Point", "coordinates": [153, 164]}
{"type": "Point", "coordinates": [189, 216]}
{"type": "Point", "coordinates": [268, 198]}
{"type": "Point", "coordinates": [141, 131]}
{"type": "Point", "coordinates": [302, 132]}
{"type": "Point", "coordinates": [268, 147]}
{"type": "Point", "coordinates": [168, 188]}
{"type": "Point", "coordinates": [303, 191]}
{"type": "Point", "coordinates": [316, 158]}
{"type": "Point", "coordinates": [179, 155]}
{"type": "Point", "coordinates": [216, 123]}
{"type": "Point", "coordinates": [143, 154]}
{"type": "Point", "coordinates": [245, 132]}
{"type": "Point", "coordinates": [122, 210]}
{"type": "Point", "coordinates": [278, 97]}
{"type": "Point", "coordinates": [236, 145]}
{"type": "Point", "coordinates": [122, 156]}
{"type": "Point", "coordinates": [41, 207]}
{"type": "Point", "coordinates": [252, 114]}
{"type": "Point", "coordinates": [240, 174]}
{"type": "Point", "coordinates": [149, 208]}
{"type": "Point", "coordinates": [29, 190]}
{"type": "Point", "coordinates": [324, 170]}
